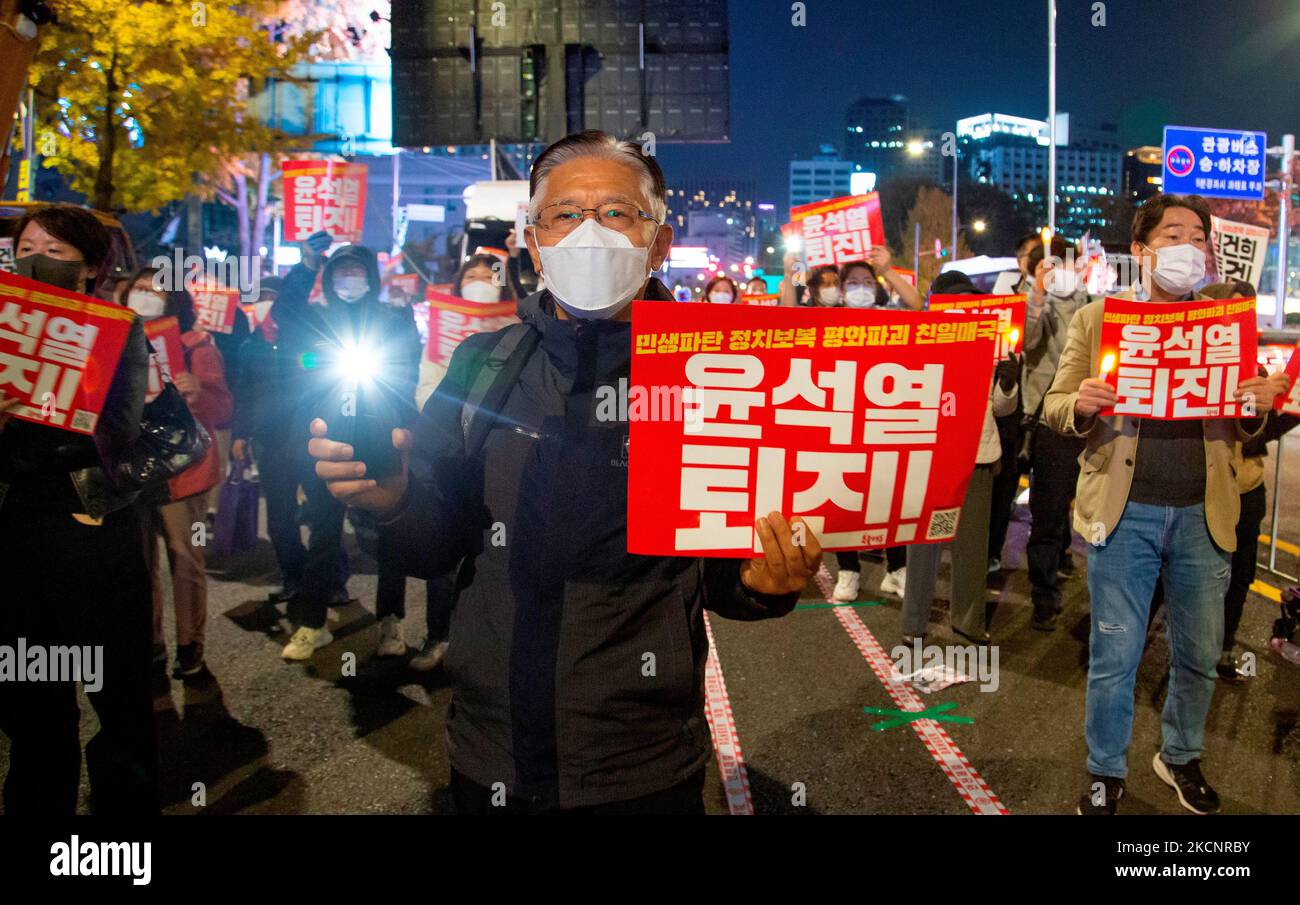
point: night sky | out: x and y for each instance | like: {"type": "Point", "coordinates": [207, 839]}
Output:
{"type": "Point", "coordinates": [1220, 63]}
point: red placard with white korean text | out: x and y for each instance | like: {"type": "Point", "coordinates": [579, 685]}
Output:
{"type": "Point", "coordinates": [1009, 309]}
{"type": "Point", "coordinates": [1178, 360]}
{"type": "Point", "coordinates": [324, 194]}
{"type": "Point", "coordinates": [839, 230]}
{"type": "Point", "coordinates": [167, 358]}
{"type": "Point", "coordinates": [58, 352]}
{"type": "Point", "coordinates": [1289, 404]}
{"type": "Point", "coordinates": [764, 300]}
{"type": "Point", "coordinates": [865, 423]}
{"type": "Point", "coordinates": [215, 308]}
{"type": "Point", "coordinates": [452, 318]}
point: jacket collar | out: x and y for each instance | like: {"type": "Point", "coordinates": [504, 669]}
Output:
{"type": "Point", "coordinates": [603, 347]}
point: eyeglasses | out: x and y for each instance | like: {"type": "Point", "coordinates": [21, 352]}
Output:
{"type": "Point", "coordinates": [562, 219]}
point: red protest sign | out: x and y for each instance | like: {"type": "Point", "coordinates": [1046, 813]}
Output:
{"type": "Point", "coordinates": [1177, 360]}
{"type": "Point", "coordinates": [168, 355]}
{"type": "Point", "coordinates": [324, 194]}
{"type": "Point", "coordinates": [451, 319]}
{"type": "Point", "coordinates": [402, 288]}
{"type": "Point", "coordinates": [58, 352]}
{"type": "Point", "coordinates": [839, 230]}
{"type": "Point", "coordinates": [215, 308]}
{"type": "Point", "coordinates": [865, 423]}
{"type": "Point", "coordinates": [1290, 403]}
{"type": "Point", "coordinates": [1010, 311]}
{"type": "Point", "coordinates": [766, 300]}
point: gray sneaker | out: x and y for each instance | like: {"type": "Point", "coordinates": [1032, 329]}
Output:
{"type": "Point", "coordinates": [430, 656]}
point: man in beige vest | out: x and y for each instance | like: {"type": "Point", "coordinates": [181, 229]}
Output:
{"type": "Point", "coordinates": [1163, 507]}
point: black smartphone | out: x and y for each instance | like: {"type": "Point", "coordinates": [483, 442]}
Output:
{"type": "Point", "coordinates": [362, 419]}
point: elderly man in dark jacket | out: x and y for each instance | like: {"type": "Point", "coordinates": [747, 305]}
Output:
{"type": "Point", "coordinates": [577, 668]}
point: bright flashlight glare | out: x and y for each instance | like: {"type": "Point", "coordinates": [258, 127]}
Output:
{"type": "Point", "coordinates": [1107, 364]}
{"type": "Point", "coordinates": [358, 363]}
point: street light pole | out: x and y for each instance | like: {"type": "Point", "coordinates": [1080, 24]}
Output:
{"type": "Point", "coordinates": [1283, 229]}
{"type": "Point", "coordinates": [1051, 115]}
{"type": "Point", "coordinates": [956, 155]}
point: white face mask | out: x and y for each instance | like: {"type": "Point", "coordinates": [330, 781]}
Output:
{"type": "Point", "coordinates": [351, 288]}
{"type": "Point", "coordinates": [594, 271]}
{"type": "Point", "coordinates": [1179, 268]}
{"type": "Point", "coordinates": [720, 297]}
{"type": "Point", "coordinates": [146, 304]}
{"type": "Point", "coordinates": [479, 291]}
{"type": "Point", "coordinates": [859, 296]}
{"type": "Point", "coordinates": [829, 297]}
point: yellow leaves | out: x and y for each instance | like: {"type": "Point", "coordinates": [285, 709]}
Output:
{"type": "Point", "coordinates": [175, 93]}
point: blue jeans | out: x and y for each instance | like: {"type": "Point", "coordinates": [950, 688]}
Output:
{"type": "Point", "coordinates": [1152, 542]}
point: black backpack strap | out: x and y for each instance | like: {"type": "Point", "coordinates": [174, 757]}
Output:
{"type": "Point", "coordinates": [492, 384]}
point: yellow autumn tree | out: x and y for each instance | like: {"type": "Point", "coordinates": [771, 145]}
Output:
{"type": "Point", "coordinates": [138, 103]}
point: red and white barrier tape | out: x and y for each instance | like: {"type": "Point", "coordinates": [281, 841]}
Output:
{"type": "Point", "coordinates": [964, 777]}
{"type": "Point", "coordinates": [722, 726]}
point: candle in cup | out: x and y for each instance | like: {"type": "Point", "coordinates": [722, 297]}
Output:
{"type": "Point", "coordinates": [1107, 364]}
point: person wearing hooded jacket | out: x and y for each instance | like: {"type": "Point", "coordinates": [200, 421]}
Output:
{"type": "Point", "coordinates": [311, 336]}
{"type": "Point", "coordinates": [552, 700]}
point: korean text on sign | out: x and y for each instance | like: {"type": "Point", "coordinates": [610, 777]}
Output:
{"type": "Point", "coordinates": [324, 195]}
{"type": "Point", "coordinates": [1178, 360]}
{"type": "Point", "coordinates": [167, 353]}
{"type": "Point", "coordinates": [839, 230]}
{"type": "Point", "coordinates": [58, 352]}
{"type": "Point", "coordinates": [1289, 404]}
{"type": "Point", "coordinates": [452, 319]}
{"type": "Point", "coordinates": [1009, 310]}
{"type": "Point", "coordinates": [1239, 251]}
{"type": "Point", "coordinates": [215, 308]}
{"type": "Point", "coordinates": [865, 423]}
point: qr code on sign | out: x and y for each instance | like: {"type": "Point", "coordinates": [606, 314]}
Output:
{"type": "Point", "coordinates": [83, 420]}
{"type": "Point", "coordinates": [943, 524]}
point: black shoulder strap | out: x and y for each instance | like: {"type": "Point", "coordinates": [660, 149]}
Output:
{"type": "Point", "coordinates": [492, 384]}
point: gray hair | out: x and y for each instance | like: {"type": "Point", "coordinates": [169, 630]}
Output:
{"type": "Point", "coordinates": [593, 143]}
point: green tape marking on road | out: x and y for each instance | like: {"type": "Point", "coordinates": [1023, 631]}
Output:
{"type": "Point", "coordinates": [827, 606]}
{"type": "Point", "coordinates": [903, 717]}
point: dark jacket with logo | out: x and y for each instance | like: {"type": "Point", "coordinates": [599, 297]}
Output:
{"type": "Point", "coordinates": [577, 668]}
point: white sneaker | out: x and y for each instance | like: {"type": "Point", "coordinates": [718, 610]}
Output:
{"type": "Point", "coordinates": [390, 638]}
{"type": "Point", "coordinates": [430, 656]}
{"type": "Point", "coordinates": [305, 642]}
{"type": "Point", "coordinates": [894, 582]}
{"type": "Point", "coordinates": [846, 585]}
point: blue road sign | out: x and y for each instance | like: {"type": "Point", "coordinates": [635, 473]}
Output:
{"type": "Point", "coordinates": [1218, 163]}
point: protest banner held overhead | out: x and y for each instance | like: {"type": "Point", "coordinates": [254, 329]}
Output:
{"type": "Point", "coordinates": [324, 195]}
{"type": "Point", "coordinates": [838, 230]}
{"type": "Point", "coordinates": [1239, 250]}
{"type": "Point", "coordinates": [58, 352]}
{"type": "Point", "coordinates": [1178, 360]}
{"type": "Point", "coordinates": [1009, 310]}
{"type": "Point", "coordinates": [863, 422]}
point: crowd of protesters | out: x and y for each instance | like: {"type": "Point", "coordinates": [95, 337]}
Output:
{"type": "Point", "coordinates": [541, 689]}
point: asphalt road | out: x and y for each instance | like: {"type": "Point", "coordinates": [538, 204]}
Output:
{"type": "Point", "coordinates": [265, 736]}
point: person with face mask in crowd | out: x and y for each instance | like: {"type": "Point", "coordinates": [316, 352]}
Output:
{"type": "Point", "coordinates": [756, 286]}
{"type": "Point", "coordinates": [554, 618]}
{"type": "Point", "coordinates": [479, 282]}
{"type": "Point", "coordinates": [1157, 499]}
{"type": "Point", "coordinates": [721, 291]}
{"type": "Point", "coordinates": [74, 567]}
{"type": "Point", "coordinates": [1053, 294]}
{"type": "Point", "coordinates": [859, 287]}
{"type": "Point", "coordinates": [314, 337]}
{"type": "Point", "coordinates": [258, 432]}
{"type": "Point", "coordinates": [201, 379]}
{"type": "Point", "coordinates": [968, 610]}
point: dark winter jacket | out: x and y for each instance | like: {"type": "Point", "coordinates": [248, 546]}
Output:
{"type": "Point", "coordinates": [577, 669]}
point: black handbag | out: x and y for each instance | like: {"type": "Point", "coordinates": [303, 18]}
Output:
{"type": "Point", "coordinates": [171, 440]}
